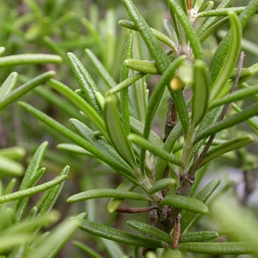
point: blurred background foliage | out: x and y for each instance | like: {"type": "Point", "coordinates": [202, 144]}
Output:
{"type": "Point", "coordinates": [61, 26]}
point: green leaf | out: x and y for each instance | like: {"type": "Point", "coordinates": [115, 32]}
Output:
{"type": "Point", "coordinates": [53, 194]}
{"type": "Point", "coordinates": [156, 97]}
{"type": "Point", "coordinates": [103, 73]}
{"type": "Point", "coordinates": [168, 146]}
{"type": "Point", "coordinates": [201, 87]}
{"type": "Point", "coordinates": [13, 153]}
{"type": "Point", "coordinates": [161, 185]}
{"type": "Point", "coordinates": [200, 236]}
{"type": "Point", "coordinates": [8, 85]}
{"type": "Point", "coordinates": [154, 149]}
{"type": "Point", "coordinates": [221, 11]}
{"type": "Point", "coordinates": [185, 203]}
{"type": "Point", "coordinates": [230, 59]}
{"type": "Point", "coordinates": [228, 122]}
{"type": "Point", "coordinates": [23, 59]}
{"type": "Point", "coordinates": [102, 147]}
{"type": "Point", "coordinates": [106, 193]}
{"type": "Point", "coordinates": [85, 81]}
{"type": "Point", "coordinates": [150, 40]}
{"type": "Point", "coordinates": [114, 204]}
{"type": "Point", "coordinates": [142, 66]}
{"type": "Point", "coordinates": [124, 73]}
{"type": "Point", "coordinates": [235, 96]}
{"type": "Point", "coordinates": [10, 167]}
{"type": "Point", "coordinates": [231, 248]}
{"type": "Point", "coordinates": [149, 230]}
{"type": "Point", "coordinates": [119, 235]}
{"type": "Point", "coordinates": [74, 149]}
{"type": "Point", "coordinates": [79, 102]}
{"type": "Point", "coordinates": [234, 144]}
{"type": "Point", "coordinates": [160, 36]}
{"type": "Point", "coordinates": [125, 83]}
{"type": "Point", "coordinates": [117, 134]}
{"type": "Point", "coordinates": [33, 190]}
{"type": "Point", "coordinates": [189, 30]}
{"type": "Point", "coordinates": [219, 57]}
{"type": "Point", "coordinates": [78, 140]}
{"type": "Point", "coordinates": [52, 244]}
{"type": "Point", "coordinates": [23, 89]}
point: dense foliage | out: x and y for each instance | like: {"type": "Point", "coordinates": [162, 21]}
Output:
{"type": "Point", "coordinates": [136, 134]}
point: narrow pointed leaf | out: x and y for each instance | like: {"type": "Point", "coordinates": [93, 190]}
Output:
{"type": "Point", "coordinates": [154, 149]}
{"type": "Point", "coordinates": [230, 248]}
{"type": "Point", "coordinates": [76, 139]}
{"type": "Point", "coordinates": [87, 250]}
{"type": "Point", "coordinates": [101, 145]}
{"type": "Point", "coordinates": [101, 69]}
{"type": "Point", "coordinates": [23, 89]}
{"type": "Point", "coordinates": [168, 146]}
{"type": "Point", "coordinates": [10, 167]}
{"type": "Point", "coordinates": [149, 230]}
{"type": "Point", "coordinates": [231, 57]}
{"type": "Point", "coordinates": [227, 147]}
{"type": "Point", "coordinates": [228, 122]}
{"type": "Point", "coordinates": [53, 194]}
{"type": "Point", "coordinates": [116, 132]}
{"type": "Point", "coordinates": [114, 204]}
{"type": "Point", "coordinates": [156, 97]}
{"type": "Point", "coordinates": [219, 56]}
{"type": "Point", "coordinates": [155, 49]}
{"type": "Point", "coordinates": [119, 235]}
{"type": "Point", "coordinates": [23, 59]}
{"type": "Point", "coordinates": [185, 203]}
{"type": "Point", "coordinates": [85, 81]}
{"type": "Point", "coordinates": [8, 85]}
{"type": "Point", "coordinates": [160, 36]}
{"type": "Point", "coordinates": [73, 148]}
{"type": "Point", "coordinates": [201, 87]}
{"type": "Point", "coordinates": [106, 193]}
{"type": "Point", "coordinates": [235, 96]}
{"type": "Point", "coordinates": [78, 101]}
{"type": "Point", "coordinates": [32, 191]}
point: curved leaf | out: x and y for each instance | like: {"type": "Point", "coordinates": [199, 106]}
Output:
{"type": "Point", "coordinates": [142, 66]}
{"type": "Point", "coordinates": [231, 57]}
{"type": "Point", "coordinates": [161, 185]}
{"type": "Point", "coordinates": [201, 87]}
{"type": "Point", "coordinates": [32, 190]}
